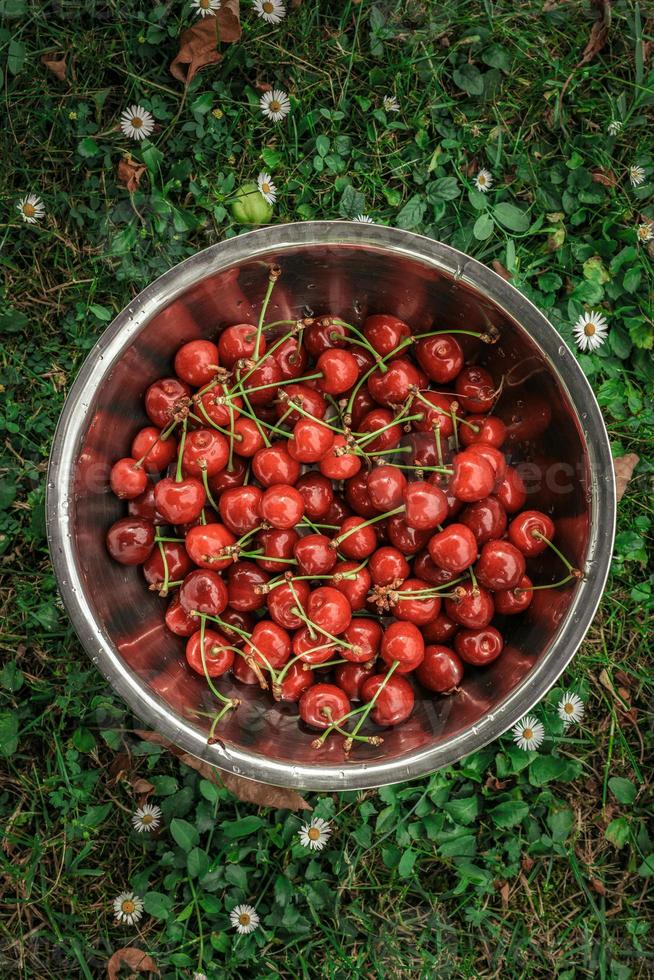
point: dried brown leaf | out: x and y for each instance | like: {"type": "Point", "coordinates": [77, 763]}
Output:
{"type": "Point", "coordinates": [137, 960]}
{"type": "Point", "coordinates": [501, 270]}
{"type": "Point", "coordinates": [598, 37]}
{"type": "Point", "coordinates": [624, 467]}
{"type": "Point", "coordinates": [142, 787]}
{"type": "Point", "coordinates": [597, 886]}
{"type": "Point", "coordinates": [130, 172]}
{"type": "Point", "coordinates": [606, 178]}
{"type": "Point", "coordinates": [56, 64]}
{"type": "Point", "coordinates": [247, 790]}
{"type": "Point", "coordinates": [199, 44]}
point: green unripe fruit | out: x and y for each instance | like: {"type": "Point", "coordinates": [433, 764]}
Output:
{"type": "Point", "coordinates": [250, 207]}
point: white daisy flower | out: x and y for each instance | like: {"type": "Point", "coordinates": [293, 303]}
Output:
{"type": "Point", "coordinates": [128, 908]}
{"type": "Point", "coordinates": [528, 733]}
{"type": "Point", "coordinates": [590, 330]}
{"type": "Point", "coordinates": [571, 708]}
{"type": "Point", "coordinates": [31, 209]}
{"type": "Point", "coordinates": [147, 818]}
{"type": "Point", "coordinates": [272, 11]}
{"type": "Point", "coordinates": [315, 834]}
{"type": "Point", "coordinates": [136, 122]}
{"type": "Point", "coordinates": [266, 188]}
{"type": "Point", "coordinates": [390, 104]}
{"type": "Point", "coordinates": [614, 127]}
{"type": "Point", "coordinates": [484, 181]}
{"type": "Point", "coordinates": [205, 8]}
{"type": "Point", "coordinates": [645, 232]}
{"type": "Point", "coordinates": [275, 104]}
{"type": "Point", "coordinates": [636, 175]}
{"type": "Point", "coordinates": [365, 219]}
{"type": "Point", "coordinates": [244, 918]}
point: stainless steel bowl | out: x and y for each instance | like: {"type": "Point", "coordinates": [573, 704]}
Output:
{"type": "Point", "coordinates": [350, 270]}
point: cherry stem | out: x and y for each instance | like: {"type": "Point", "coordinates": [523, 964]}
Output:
{"type": "Point", "coordinates": [574, 572]}
{"type": "Point", "coordinates": [434, 469]}
{"type": "Point", "coordinates": [180, 452]}
{"type": "Point", "coordinates": [340, 538]}
{"type": "Point", "coordinates": [286, 381]}
{"type": "Point", "coordinates": [214, 690]}
{"type": "Point", "coordinates": [399, 420]}
{"type": "Point", "coordinates": [361, 342]}
{"type": "Point", "coordinates": [371, 703]}
{"type": "Point", "coordinates": [326, 663]}
{"type": "Point", "coordinates": [378, 366]}
{"type": "Point", "coordinates": [261, 554]}
{"type": "Point", "coordinates": [253, 416]}
{"type": "Point", "coordinates": [164, 585]}
{"type": "Point", "coordinates": [553, 585]}
{"type": "Point", "coordinates": [339, 641]}
{"type": "Point", "coordinates": [205, 484]}
{"type": "Point", "coordinates": [313, 418]}
{"type": "Point", "coordinates": [214, 425]}
{"type": "Point", "coordinates": [486, 337]}
{"type": "Point", "coordinates": [176, 540]}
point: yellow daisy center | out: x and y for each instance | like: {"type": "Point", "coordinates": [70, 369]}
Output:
{"type": "Point", "coordinates": [313, 833]}
{"type": "Point", "coordinates": [29, 210]}
{"type": "Point", "coordinates": [205, 4]}
{"type": "Point", "coordinates": [528, 734]}
{"type": "Point", "coordinates": [590, 329]}
{"type": "Point", "coordinates": [147, 818]}
{"type": "Point", "coordinates": [275, 106]}
{"type": "Point", "coordinates": [265, 188]}
{"type": "Point", "coordinates": [481, 179]}
{"type": "Point", "coordinates": [268, 7]}
{"type": "Point", "coordinates": [137, 122]}
{"type": "Point", "coordinates": [244, 919]}
{"type": "Point", "coordinates": [128, 906]}
{"type": "Point", "coordinates": [568, 708]}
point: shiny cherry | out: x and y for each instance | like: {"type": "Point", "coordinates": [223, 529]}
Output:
{"type": "Point", "coordinates": [292, 360]}
{"type": "Point", "coordinates": [394, 703]}
{"type": "Point", "coordinates": [218, 658]}
{"type": "Point", "coordinates": [485, 518]}
{"type": "Point", "coordinates": [437, 417]}
{"type": "Point", "coordinates": [244, 580]}
{"type": "Point", "coordinates": [163, 398]}
{"type": "Point", "coordinates": [385, 333]}
{"type": "Point", "coordinates": [339, 371]}
{"type": "Point", "coordinates": [441, 669]}
{"type": "Point", "coordinates": [509, 602]}
{"type": "Point", "coordinates": [204, 449]}
{"type": "Point", "coordinates": [488, 429]}
{"type": "Point", "coordinates": [353, 582]}
{"type": "Point", "coordinates": [376, 420]}
{"type": "Point", "coordinates": [454, 548]}
{"type": "Point", "coordinates": [308, 399]}
{"type": "Point", "coordinates": [232, 476]}
{"type": "Point", "coordinates": [511, 492]}
{"type": "Point", "coordinates": [386, 487]}
{"type": "Point", "coordinates": [273, 465]}
{"type": "Point", "coordinates": [310, 441]}
{"type": "Point", "coordinates": [240, 508]}
{"type": "Point", "coordinates": [238, 342]}
{"type": "Point", "coordinates": [403, 642]}
{"type": "Point", "coordinates": [208, 544]}
{"type": "Point", "coordinates": [392, 387]}
{"type": "Point", "coordinates": [196, 362]}
{"type": "Point", "coordinates": [296, 680]}
{"type": "Point", "coordinates": [406, 539]}
{"type": "Point", "coordinates": [269, 645]}
{"type": "Point", "coordinates": [419, 610]}
{"type": "Point", "coordinates": [388, 565]}
{"type": "Point", "coordinates": [127, 479]}
{"type": "Point", "coordinates": [526, 529]}
{"type": "Point", "coordinates": [339, 463]}
{"type": "Point", "coordinates": [314, 555]}
{"type": "Point", "coordinates": [276, 548]}
{"type": "Point", "coordinates": [177, 559]}
{"type": "Point", "coordinates": [310, 647]}
{"type": "Point", "coordinates": [479, 647]}
{"type": "Point", "coordinates": [323, 334]}
{"type": "Point", "coordinates": [329, 609]}
{"type": "Point", "coordinates": [130, 540]}
{"type": "Point", "coordinates": [426, 505]}
{"type": "Point", "coordinates": [473, 477]}
{"type": "Point", "coordinates": [365, 635]}
{"type": "Point", "coordinates": [476, 390]}
{"type": "Point", "coordinates": [179, 501]}
{"type": "Point", "coordinates": [285, 601]}
{"type": "Point", "coordinates": [203, 591]}
{"type": "Point", "coordinates": [282, 506]}
{"type": "Point", "coordinates": [322, 705]}
{"type": "Point", "coordinates": [355, 540]}
{"type": "Point", "coordinates": [500, 566]}
{"type": "Point", "coordinates": [178, 620]}
{"type": "Point", "coordinates": [440, 630]}
{"type": "Point", "coordinates": [440, 357]}
{"type": "Point", "coordinates": [156, 453]}
{"type": "Point", "coordinates": [317, 492]}
{"type": "Point", "coordinates": [216, 405]}
{"type": "Point", "coordinates": [473, 606]}
{"type": "Point", "coordinates": [358, 497]}
{"type": "Point", "coordinates": [350, 677]}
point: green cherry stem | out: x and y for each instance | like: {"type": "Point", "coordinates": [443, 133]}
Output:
{"type": "Point", "coordinates": [572, 571]}
{"type": "Point", "coordinates": [180, 453]}
{"type": "Point", "coordinates": [205, 484]}
{"type": "Point", "coordinates": [338, 540]}
{"type": "Point", "coordinates": [273, 275]}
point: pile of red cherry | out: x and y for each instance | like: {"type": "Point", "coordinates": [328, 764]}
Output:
{"type": "Point", "coordinates": [331, 511]}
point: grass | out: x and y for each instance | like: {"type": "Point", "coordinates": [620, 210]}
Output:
{"type": "Point", "coordinates": [510, 863]}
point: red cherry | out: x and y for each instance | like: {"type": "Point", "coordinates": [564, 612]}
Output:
{"type": "Point", "coordinates": [355, 540]}
{"type": "Point", "coordinates": [314, 555]}
{"type": "Point", "coordinates": [454, 548]}
{"type": "Point", "coordinates": [395, 702]}
{"type": "Point", "coordinates": [511, 601]}
{"type": "Point", "coordinates": [261, 384]}
{"type": "Point", "coordinates": [218, 658]}
{"type": "Point", "coordinates": [219, 407]}
{"type": "Point", "coordinates": [317, 492]}
{"type": "Point", "coordinates": [233, 476]}
{"type": "Point", "coordinates": [441, 670]}
{"type": "Point", "coordinates": [144, 506]}
{"type": "Point", "coordinates": [425, 568]}
{"type": "Point", "coordinates": [385, 333]}
{"type": "Point", "coordinates": [437, 417]}
{"type": "Point", "coordinates": [277, 549]}
{"type": "Point", "coordinates": [240, 508]}
{"type": "Point", "coordinates": [357, 496]}
{"type": "Point", "coordinates": [296, 681]}
{"type": "Point", "coordinates": [240, 620]}
{"type": "Point", "coordinates": [476, 390]}
{"type": "Point", "coordinates": [366, 636]}
{"type": "Point", "coordinates": [354, 585]}
{"type": "Point", "coordinates": [350, 677]}
{"type": "Point", "coordinates": [393, 386]}
{"type": "Point", "coordinates": [323, 334]}
{"type": "Point", "coordinates": [196, 362]}
{"type": "Point", "coordinates": [440, 630]}
{"type": "Point", "coordinates": [388, 565]}
{"type": "Point", "coordinates": [406, 539]}
{"type": "Point", "coordinates": [440, 357]}
{"type": "Point", "coordinates": [247, 438]}
{"type": "Point", "coordinates": [274, 465]}
{"type": "Point", "coordinates": [178, 620]}
{"type": "Point", "coordinates": [485, 518]}
{"type": "Point", "coordinates": [426, 505]}
{"type": "Point", "coordinates": [472, 607]}
{"type": "Point", "coordinates": [491, 431]}
{"type": "Point", "coordinates": [310, 441]}
{"type": "Point", "coordinates": [479, 647]}
{"type": "Point", "coordinates": [244, 673]}
{"type": "Point", "coordinates": [473, 477]}
{"type": "Point", "coordinates": [179, 502]}
{"type": "Point", "coordinates": [511, 492]}
{"type": "Point", "coordinates": [282, 506]}
{"type": "Point", "coordinates": [158, 453]}
{"type": "Point", "coordinates": [308, 399]}
{"type": "Point", "coordinates": [310, 647]}
{"type": "Point", "coordinates": [363, 403]}
{"type": "Point", "coordinates": [422, 609]}
{"type": "Point", "coordinates": [177, 559]}
{"type": "Point", "coordinates": [269, 645]}
{"type": "Point", "coordinates": [339, 371]}
{"type": "Point", "coordinates": [207, 544]}
{"type": "Point", "coordinates": [386, 487]}
{"type": "Point", "coordinates": [128, 480]}
{"type": "Point", "coordinates": [522, 528]}
{"type": "Point", "coordinates": [292, 359]}
{"type": "Point", "coordinates": [493, 456]}
{"type": "Point", "coordinates": [403, 642]}
{"type": "Point", "coordinates": [204, 592]}
{"type": "Point", "coordinates": [322, 705]}
{"type": "Point", "coordinates": [500, 566]}
{"type": "Point", "coordinates": [328, 609]}
{"type": "Point", "coordinates": [130, 540]}
{"type": "Point", "coordinates": [238, 343]}
{"type": "Point", "coordinates": [373, 421]}
{"type": "Point", "coordinates": [285, 600]}
{"type": "Point", "coordinates": [204, 449]}
{"type": "Point", "coordinates": [243, 580]}
{"type": "Point", "coordinates": [339, 463]}
{"type": "Point", "coordinates": [163, 398]}
{"type": "Point", "coordinates": [364, 360]}
{"type": "Point", "coordinates": [338, 511]}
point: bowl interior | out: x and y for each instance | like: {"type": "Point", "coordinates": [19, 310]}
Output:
{"type": "Point", "coordinates": [351, 281]}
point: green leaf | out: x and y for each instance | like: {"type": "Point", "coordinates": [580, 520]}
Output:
{"type": "Point", "coordinates": [271, 157]}
{"type": "Point", "coordinates": [469, 79]}
{"type": "Point", "coordinates": [322, 145]}
{"type": "Point", "coordinates": [618, 832]}
{"type": "Point", "coordinates": [445, 188]}
{"type": "Point", "coordinates": [646, 869]}
{"type": "Point", "coordinates": [88, 147]}
{"type": "Point", "coordinates": [509, 814]}
{"type": "Point", "coordinates": [463, 811]}
{"type": "Point", "coordinates": [511, 216]}
{"type": "Point", "coordinates": [352, 203]}
{"type": "Point", "coordinates": [152, 157]}
{"type": "Point", "coordinates": [184, 833]}
{"type": "Point", "coordinates": [7, 493]}
{"type": "Point", "coordinates": [16, 56]}
{"type": "Point", "coordinates": [242, 828]}
{"type": "Point", "coordinates": [8, 732]}
{"type": "Point", "coordinates": [631, 280]}
{"type": "Point", "coordinates": [412, 213]}
{"type": "Point", "coordinates": [157, 904]}
{"type": "Point", "coordinates": [560, 823]}
{"type": "Point", "coordinates": [547, 767]}
{"type": "Point", "coordinates": [623, 789]}
{"type": "Point", "coordinates": [483, 227]}
{"type": "Point", "coordinates": [197, 862]}
{"type": "Point", "coordinates": [101, 312]}
{"type": "Point", "coordinates": [495, 56]}
{"type": "Point", "coordinates": [407, 861]}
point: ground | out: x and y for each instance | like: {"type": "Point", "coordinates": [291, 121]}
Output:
{"type": "Point", "coordinates": [511, 863]}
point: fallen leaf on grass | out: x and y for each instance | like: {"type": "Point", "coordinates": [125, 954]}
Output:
{"type": "Point", "coordinates": [56, 64]}
{"type": "Point", "coordinates": [136, 959]}
{"type": "Point", "coordinates": [199, 44]}
{"type": "Point", "coordinates": [607, 179]}
{"type": "Point", "coordinates": [598, 37]}
{"type": "Point", "coordinates": [598, 886]}
{"type": "Point", "coordinates": [246, 790]}
{"type": "Point", "coordinates": [624, 467]}
{"type": "Point", "coordinates": [501, 270]}
{"type": "Point", "coordinates": [130, 172]}
{"type": "Point", "coordinates": [142, 787]}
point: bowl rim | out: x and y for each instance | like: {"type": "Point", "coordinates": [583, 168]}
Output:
{"type": "Point", "coordinates": [72, 427]}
